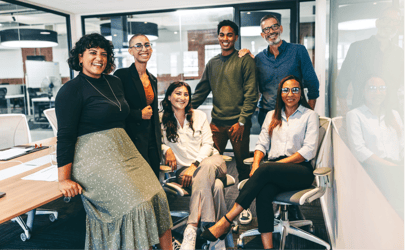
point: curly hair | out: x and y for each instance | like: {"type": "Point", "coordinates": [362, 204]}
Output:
{"type": "Point", "coordinates": [230, 24]}
{"type": "Point", "coordinates": [169, 120]}
{"type": "Point", "coordinates": [280, 105]}
{"type": "Point", "coordinates": [93, 40]}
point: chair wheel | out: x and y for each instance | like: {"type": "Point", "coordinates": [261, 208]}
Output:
{"type": "Point", "coordinates": [52, 217]}
{"type": "Point", "coordinates": [240, 243]}
{"type": "Point", "coordinates": [24, 237]}
{"type": "Point", "coordinates": [205, 246]}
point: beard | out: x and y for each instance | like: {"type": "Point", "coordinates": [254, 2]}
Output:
{"type": "Point", "coordinates": [275, 42]}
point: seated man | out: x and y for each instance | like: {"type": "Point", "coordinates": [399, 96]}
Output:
{"type": "Point", "coordinates": [188, 144]}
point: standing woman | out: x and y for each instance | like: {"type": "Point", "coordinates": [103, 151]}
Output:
{"type": "Point", "coordinates": [140, 89]}
{"type": "Point", "coordinates": [125, 205]}
{"type": "Point", "coordinates": [290, 137]}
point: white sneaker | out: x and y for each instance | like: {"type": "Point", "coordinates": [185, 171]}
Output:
{"type": "Point", "coordinates": [245, 217]}
{"type": "Point", "coordinates": [189, 238]}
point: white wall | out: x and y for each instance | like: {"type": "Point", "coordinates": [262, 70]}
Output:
{"type": "Point", "coordinates": [11, 64]}
{"type": "Point", "coordinates": [358, 215]}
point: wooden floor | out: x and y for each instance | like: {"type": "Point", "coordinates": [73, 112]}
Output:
{"type": "Point", "coordinates": [68, 232]}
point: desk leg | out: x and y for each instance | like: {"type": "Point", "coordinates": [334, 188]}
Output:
{"type": "Point", "coordinates": [8, 106]}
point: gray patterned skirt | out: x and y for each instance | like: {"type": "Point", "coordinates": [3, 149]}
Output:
{"type": "Point", "coordinates": [125, 204]}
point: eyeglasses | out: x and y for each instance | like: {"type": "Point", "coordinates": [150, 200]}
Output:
{"type": "Point", "coordinates": [374, 88]}
{"type": "Point", "coordinates": [274, 27]}
{"type": "Point", "coordinates": [140, 46]}
{"type": "Point", "coordinates": [294, 90]}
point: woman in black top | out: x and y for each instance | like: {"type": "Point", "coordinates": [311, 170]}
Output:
{"type": "Point", "coordinates": [126, 206]}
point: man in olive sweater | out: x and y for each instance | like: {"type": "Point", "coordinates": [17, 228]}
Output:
{"type": "Point", "coordinates": [232, 81]}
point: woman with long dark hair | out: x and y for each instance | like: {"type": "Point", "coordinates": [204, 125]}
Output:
{"type": "Point", "coordinates": [188, 145]}
{"type": "Point", "coordinates": [125, 204]}
{"type": "Point", "coordinates": [289, 136]}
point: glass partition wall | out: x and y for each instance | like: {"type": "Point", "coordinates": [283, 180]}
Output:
{"type": "Point", "coordinates": [182, 41]}
{"type": "Point", "coordinates": [34, 47]}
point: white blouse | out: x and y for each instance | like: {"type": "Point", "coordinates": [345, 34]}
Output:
{"type": "Point", "coordinates": [369, 134]}
{"type": "Point", "coordinates": [297, 134]}
{"type": "Point", "coordinates": [191, 146]}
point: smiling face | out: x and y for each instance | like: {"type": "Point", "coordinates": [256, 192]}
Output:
{"type": "Point", "coordinates": [291, 100]}
{"type": "Point", "coordinates": [94, 61]}
{"type": "Point", "coordinates": [179, 98]}
{"type": "Point", "coordinates": [227, 39]}
{"type": "Point", "coordinates": [274, 36]}
{"type": "Point", "coordinates": [144, 54]}
{"type": "Point", "coordinates": [375, 91]}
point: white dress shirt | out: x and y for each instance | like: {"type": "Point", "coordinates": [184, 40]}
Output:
{"type": "Point", "coordinates": [191, 146]}
{"type": "Point", "coordinates": [299, 134]}
{"type": "Point", "coordinates": [368, 134]}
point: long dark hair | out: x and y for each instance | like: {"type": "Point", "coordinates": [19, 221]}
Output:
{"type": "Point", "coordinates": [169, 120]}
{"type": "Point", "coordinates": [89, 41]}
{"type": "Point", "coordinates": [276, 119]}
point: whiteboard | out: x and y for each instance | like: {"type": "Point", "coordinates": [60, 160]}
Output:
{"type": "Point", "coordinates": [38, 71]}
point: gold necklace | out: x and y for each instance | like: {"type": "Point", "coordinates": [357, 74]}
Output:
{"type": "Point", "coordinates": [118, 105]}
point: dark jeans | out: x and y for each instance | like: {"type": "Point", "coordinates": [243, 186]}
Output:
{"type": "Point", "coordinates": [221, 135]}
{"type": "Point", "coordinates": [269, 180]}
{"type": "Point", "coordinates": [262, 116]}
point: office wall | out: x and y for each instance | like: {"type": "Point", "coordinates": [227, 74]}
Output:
{"type": "Point", "coordinates": [12, 67]}
{"type": "Point", "coordinates": [358, 213]}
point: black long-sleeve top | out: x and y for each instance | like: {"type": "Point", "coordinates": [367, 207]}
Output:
{"type": "Point", "coordinates": [81, 109]}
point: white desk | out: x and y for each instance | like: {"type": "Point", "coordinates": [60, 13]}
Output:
{"type": "Point", "coordinates": [42, 99]}
{"type": "Point", "coordinates": [8, 97]}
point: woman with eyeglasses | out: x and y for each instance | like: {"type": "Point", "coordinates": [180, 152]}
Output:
{"type": "Point", "coordinates": [289, 136]}
{"type": "Point", "coordinates": [125, 204]}
{"type": "Point", "coordinates": [140, 89]}
{"type": "Point", "coordinates": [375, 131]}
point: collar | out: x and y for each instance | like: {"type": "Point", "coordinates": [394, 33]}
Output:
{"type": "Point", "coordinates": [281, 49]}
{"type": "Point", "coordinates": [225, 58]}
{"type": "Point", "coordinates": [91, 79]}
{"type": "Point", "coordinates": [300, 109]}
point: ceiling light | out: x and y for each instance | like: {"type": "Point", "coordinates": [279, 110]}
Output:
{"type": "Point", "coordinates": [28, 38]}
{"type": "Point", "coordinates": [150, 30]}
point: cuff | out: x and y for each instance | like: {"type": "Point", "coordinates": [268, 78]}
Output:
{"type": "Point", "coordinates": [242, 120]}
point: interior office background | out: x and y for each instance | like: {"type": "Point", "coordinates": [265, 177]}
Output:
{"type": "Point", "coordinates": [358, 205]}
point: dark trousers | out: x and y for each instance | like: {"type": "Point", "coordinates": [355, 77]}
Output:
{"type": "Point", "coordinates": [221, 135]}
{"type": "Point", "coordinates": [269, 180]}
{"type": "Point", "coordinates": [262, 115]}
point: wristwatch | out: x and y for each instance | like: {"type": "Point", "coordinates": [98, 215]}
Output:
{"type": "Point", "coordinates": [196, 163]}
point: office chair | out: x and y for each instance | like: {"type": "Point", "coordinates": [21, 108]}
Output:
{"type": "Point", "coordinates": [14, 131]}
{"type": "Point", "coordinates": [299, 197]}
{"type": "Point", "coordinates": [51, 116]}
{"type": "Point", "coordinates": [170, 186]}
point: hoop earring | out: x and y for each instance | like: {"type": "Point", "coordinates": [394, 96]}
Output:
{"type": "Point", "coordinates": [81, 65]}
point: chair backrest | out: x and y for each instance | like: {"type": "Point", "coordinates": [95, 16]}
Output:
{"type": "Point", "coordinates": [51, 116]}
{"type": "Point", "coordinates": [3, 92]}
{"type": "Point", "coordinates": [324, 129]}
{"type": "Point", "coordinates": [14, 130]}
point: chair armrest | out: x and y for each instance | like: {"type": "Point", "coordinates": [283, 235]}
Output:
{"type": "Point", "coordinates": [165, 169]}
{"type": "Point", "coordinates": [230, 181]}
{"type": "Point", "coordinates": [226, 158]}
{"type": "Point", "coordinates": [176, 187]}
{"type": "Point", "coordinates": [248, 161]}
{"type": "Point", "coordinates": [322, 171]}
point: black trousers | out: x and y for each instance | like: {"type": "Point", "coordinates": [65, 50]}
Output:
{"type": "Point", "coordinates": [269, 180]}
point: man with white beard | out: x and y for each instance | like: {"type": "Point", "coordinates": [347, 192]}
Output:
{"type": "Point", "coordinates": [279, 60]}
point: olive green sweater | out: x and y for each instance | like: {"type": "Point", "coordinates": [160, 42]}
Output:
{"type": "Point", "coordinates": [232, 81]}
